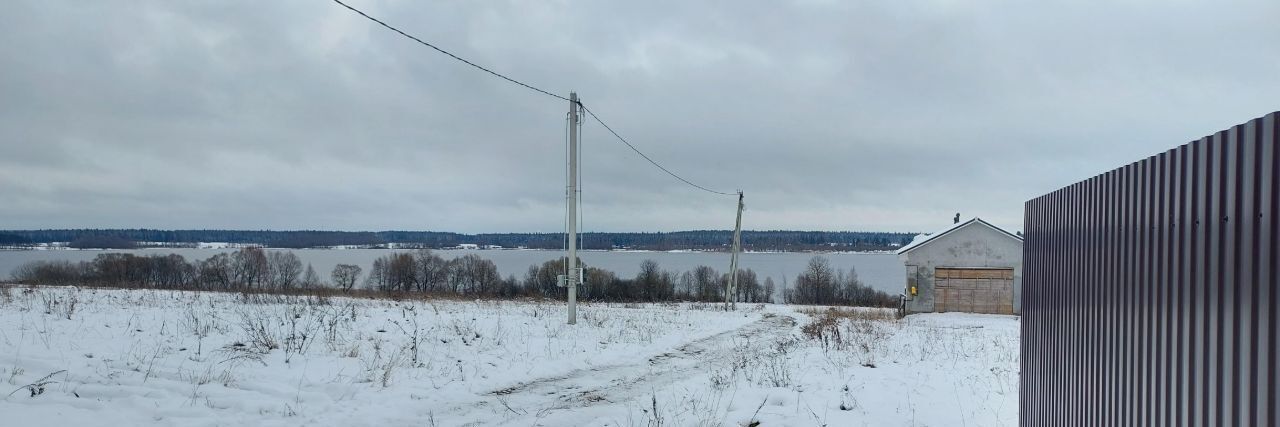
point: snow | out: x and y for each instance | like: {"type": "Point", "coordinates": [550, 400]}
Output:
{"type": "Point", "coordinates": [921, 239]}
{"type": "Point", "coordinates": [218, 245]}
{"type": "Point", "coordinates": [147, 357]}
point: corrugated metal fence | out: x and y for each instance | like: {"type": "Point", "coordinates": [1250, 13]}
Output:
{"type": "Point", "coordinates": [1149, 292]}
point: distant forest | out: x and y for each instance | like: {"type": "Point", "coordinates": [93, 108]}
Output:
{"type": "Point", "coordinates": [713, 240]}
{"type": "Point", "coordinates": [252, 269]}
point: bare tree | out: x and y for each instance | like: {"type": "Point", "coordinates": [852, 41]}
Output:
{"type": "Point", "coordinates": [345, 276]}
{"type": "Point", "coordinates": [169, 271]}
{"type": "Point", "coordinates": [816, 285]}
{"type": "Point", "coordinates": [113, 269]}
{"type": "Point", "coordinates": [377, 278]}
{"type": "Point", "coordinates": [472, 275]}
{"type": "Point", "coordinates": [667, 286]}
{"type": "Point", "coordinates": [283, 269]}
{"type": "Point", "coordinates": [51, 272]}
{"type": "Point", "coordinates": [649, 281]}
{"type": "Point", "coordinates": [685, 286]}
{"type": "Point", "coordinates": [706, 282]}
{"type": "Point", "coordinates": [310, 279]}
{"type": "Point", "coordinates": [215, 272]}
{"type": "Point", "coordinates": [748, 286]}
{"type": "Point", "coordinates": [402, 272]}
{"type": "Point", "coordinates": [820, 284]}
{"type": "Point", "coordinates": [249, 267]}
{"type": "Point", "coordinates": [542, 278]}
{"type": "Point", "coordinates": [432, 271]}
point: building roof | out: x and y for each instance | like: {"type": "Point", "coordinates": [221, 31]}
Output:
{"type": "Point", "coordinates": [922, 239]}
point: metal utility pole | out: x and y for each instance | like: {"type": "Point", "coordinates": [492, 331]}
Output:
{"type": "Point", "coordinates": [731, 291]}
{"type": "Point", "coordinates": [574, 275]}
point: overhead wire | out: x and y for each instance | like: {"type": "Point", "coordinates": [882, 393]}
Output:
{"type": "Point", "coordinates": [646, 157]}
{"type": "Point", "coordinates": [544, 92]}
{"type": "Point", "coordinates": [451, 55]}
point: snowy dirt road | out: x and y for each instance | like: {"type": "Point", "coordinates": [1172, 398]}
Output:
{"type": "Point", "coordinates": [560, 399]}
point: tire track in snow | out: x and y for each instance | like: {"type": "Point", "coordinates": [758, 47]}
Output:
{"type": "Point", "coordinates": [606, 385]}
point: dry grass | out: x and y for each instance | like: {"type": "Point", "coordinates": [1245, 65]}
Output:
{"type": "Point", "coordinates": [864, 331]}
{"type": "Point", "coordinates": [316, 295]}
{"type": "Point", "coordinates": [851, 313]}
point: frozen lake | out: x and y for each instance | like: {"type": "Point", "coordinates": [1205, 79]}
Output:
{"type": "Point", "coordinates": [880, 271]}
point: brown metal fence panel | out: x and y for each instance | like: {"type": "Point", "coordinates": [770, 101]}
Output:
{"type": "Point", "coordinates": [1150, 291]}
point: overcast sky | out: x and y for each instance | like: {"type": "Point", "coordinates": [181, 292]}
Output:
{"type": "Point", "coordinates": [830, 115]}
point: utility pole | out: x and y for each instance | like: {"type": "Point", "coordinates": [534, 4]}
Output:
{"type": "Point", "coordinates": [731, 291]}
{"type": "Point", "coordinates": [574, 275]}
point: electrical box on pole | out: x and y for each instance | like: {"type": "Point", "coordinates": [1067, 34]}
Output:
{"type": "Point", "coordinates": [731, 291]}
{"type": "Point", "coordinates": [573, 273]}
{"type": "Point", "coordinates": [574, 276]}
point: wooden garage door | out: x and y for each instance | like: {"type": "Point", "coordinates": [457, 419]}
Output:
{"type": "Point", "coordinates": [973, 290]}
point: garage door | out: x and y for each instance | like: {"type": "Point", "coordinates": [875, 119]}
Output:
{"type": "Point", "coordinates": [973, 290]}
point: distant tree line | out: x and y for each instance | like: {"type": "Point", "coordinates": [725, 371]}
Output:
{"type": "Point", "coordinates": [820, 284]}
{"type": "Point", "coordinates": [278, 239]}
{"type": "Point", "coordinates": [13, 239]}
{"type": "Point", "coordinates": [472, 275]}
{"type": "Point", "coordinates": [246, 269]}
{"type": "Point", "coordinates": [93, 241]}
{"type": "Point", "coordinates": [696, 240]}
{"type": "Point", "coordinates": [423, 271]}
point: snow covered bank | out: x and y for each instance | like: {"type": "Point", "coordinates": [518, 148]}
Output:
{"type": "Point", "coordinates": [144, 357]}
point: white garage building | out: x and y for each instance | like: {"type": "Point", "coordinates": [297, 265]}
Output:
{"type": "Point", "coordinates": [972, 266]}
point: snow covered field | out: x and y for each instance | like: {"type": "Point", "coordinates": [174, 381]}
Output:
{"type": "Point", "coordinates": [144, 357]}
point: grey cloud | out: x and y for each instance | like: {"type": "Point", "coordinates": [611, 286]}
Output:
{"type": "Point", "coordinates": [830, 115]}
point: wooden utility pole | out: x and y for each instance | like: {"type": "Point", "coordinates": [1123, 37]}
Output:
{"type": "Point", "coordinates": [731, 291]}
{"type": "Point", "coordinates": [574, 275]}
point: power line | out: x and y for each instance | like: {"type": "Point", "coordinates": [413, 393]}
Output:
{"type": "Point", "coordinates": [633, 148]}
{"type": "Point", "coordinates": [530, 87]}
{"type": "Point", "coordinates": [451, 55]}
